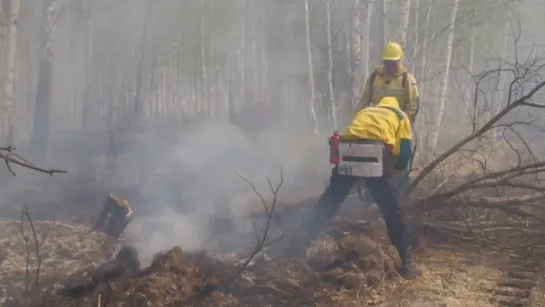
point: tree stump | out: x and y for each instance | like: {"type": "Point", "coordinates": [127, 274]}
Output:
{"type": "Point", "coordinates": [115, 216]}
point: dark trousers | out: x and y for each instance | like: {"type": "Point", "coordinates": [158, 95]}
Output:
{"type": "Point", "coordinates": [383, 192]}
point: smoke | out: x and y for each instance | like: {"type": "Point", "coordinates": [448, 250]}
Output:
{"type": "Point", "coordinates": [194, 191]}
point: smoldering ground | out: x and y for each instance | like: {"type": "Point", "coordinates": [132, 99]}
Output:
{"type": "Point", "coordinates": [195, 192]}
{"type": "Point", "coordinates": [182, 180]}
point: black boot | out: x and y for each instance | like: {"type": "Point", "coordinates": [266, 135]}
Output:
{"type": "Point", "coordinates": [407, 269]}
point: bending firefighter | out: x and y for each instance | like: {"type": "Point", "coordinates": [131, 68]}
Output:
{"type": "Point", "coordinates": [377, 147]}
{"type": "Point", "coordinates": [392, 79]}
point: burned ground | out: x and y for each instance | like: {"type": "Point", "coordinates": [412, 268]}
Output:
{"type": "Point", "coordinates": [353, 264]}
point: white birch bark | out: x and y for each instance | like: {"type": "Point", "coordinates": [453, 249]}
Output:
{"type": "Point", "coordinates": [242, 59]}
{"type": "Point", "coordinates": [42, 101]}
{"type": "Point", "coordinates": [365, 37]}
{"type": "Point", "coordinates": [470, 62]}
{"type": "Point", "coordinates": [403, 27]}
{"type": "Point", "coordinates": [203, 50]}
{"type": "Point", "coordinates": [437, 115]}
{"type": "Point", "coordinates": [9, 82]}
{"type": "Point", "coordinates": [333, 105]}
{"type": "Point", "coordinates": [382, 4]}
{"type": "Point", "coordinates": [312, 107]}
{"type": "Point", "coordinates": [87, 99]}
{"type": "Point", "coordinates": [356, 55]}
{"type": "Point", "coordinates": [498, 101]}
{"type": "Point", "coordinates": [416, 36]}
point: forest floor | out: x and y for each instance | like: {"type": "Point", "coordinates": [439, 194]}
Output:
{"type": "Point", "coordinates": [353, 265]}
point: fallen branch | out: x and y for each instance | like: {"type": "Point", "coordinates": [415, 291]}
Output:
{"type": "Point", "coordinates": [510, 205]}
{"type": "Point", "coordinates": [10, 157]}
{"type": "Point", "coordinates": [492, 180]}
{"type": "Point", "coordinates": [523, 101]}
{"type": "Point", "coordinates": [471, 237]}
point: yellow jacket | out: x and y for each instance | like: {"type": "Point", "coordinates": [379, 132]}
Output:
{"type": "Point", "coordinates": [407, 94]}
{"type": "Point", "coordinates": [384, 122]}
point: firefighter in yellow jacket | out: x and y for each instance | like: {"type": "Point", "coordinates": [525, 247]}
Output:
{"type": "Point", "coordinates": [386, 123]}
{"type": "Point", "coordinates": [392, 79]}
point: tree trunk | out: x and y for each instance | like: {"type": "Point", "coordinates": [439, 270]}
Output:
{"type": "Point", "coordinates": [403, 27]}
{"type": "Point", "coordinates": [333, 106]}
{"type": "Point", "coordinates": [255, 68]}
{"type": "Point", "coordinates": [365, 37]}
{"type": "Point", "coordinates": [203, 53]}
{"type": "Point", "coordinates": [87, 96]}
{"type": "Point", "coordinates": [498, 104]}
{"type": "Point", "coordinates": [242, 59]}
{"type": "Point", "coordinates": [9, 112]}
{"type": "Point", "coordinates": [356, 55]}
{"type": "Point", "coordinates": [437, 116]}
{"type": "Point", "coordinates": [416, 37]}
{"type": "Point", "coordinates": [383, 22]}
{"type": "Point", "coordinates": [138, 104]}
{"type": "Point", "coordinates": [470, 63]}
{"type": "Point", "coordinates": [310, 73]}
{"type": "Point", "coordinates": [42, 102]}
{"type": "Point", "coordinates": [264, 55]}
{"type": "Point", "coordinates": [427, 33]}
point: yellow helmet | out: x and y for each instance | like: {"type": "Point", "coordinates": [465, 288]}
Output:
{"type": "Point", "coordinates": [392, 52]}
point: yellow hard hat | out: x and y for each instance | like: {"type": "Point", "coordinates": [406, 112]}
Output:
{"type": "Point", "coordinates": [392, 52]}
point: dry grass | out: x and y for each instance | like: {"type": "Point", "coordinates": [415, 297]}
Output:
{"type": "Point", "coordinates": [455, 278]}
{"type": "Point", "coordinates": [346, 268]}
{"type": "Point", "coordinates": [64, 250]}
{"type": "Point", "coordinates": [342, 271]}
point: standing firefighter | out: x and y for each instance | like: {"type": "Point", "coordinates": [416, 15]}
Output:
{"type": "Point", "coordinates": [392, 79]}
{"type": "Point", "coordinates": [376, 146]}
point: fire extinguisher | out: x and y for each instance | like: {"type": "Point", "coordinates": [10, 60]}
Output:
{"type": "Point", "coordinates": [334, 147]}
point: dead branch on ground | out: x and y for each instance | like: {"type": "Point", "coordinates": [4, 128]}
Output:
{"type": "Point", "coordinates": [10, 157]}
{"type": "Point", "coordinates": [515, 193]}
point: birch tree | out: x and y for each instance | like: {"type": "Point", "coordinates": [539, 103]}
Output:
{"type": "Point", "coordinates": [191, 58]}
{"type": "Point", "coordinates": [498, 97]}
{"type": "Point", "coordinates": [403, 28]}
{"type": "Point", "coordinates": [439, 106]}
{"type": "Point", "coordinates": [471, 60]}
{"type": "Point", "coordinates": [382, 4]}
{"type": "Point", "coordinates": [366, 38]}
{"type": "Point", "coordinates": [416, 38]}
{"type": "Point", "coordinates": [312, 87]}
{"type": "Point", "coordinates": [42, 102]}
{"type": "Point", "coordinates": [355, 46]}
{"type": "Point", "coordinates": [87, 94]}
{"type": "Point", "coordinates": [9, 82]}
{"type": "Point", "coordinates": [333, 106]}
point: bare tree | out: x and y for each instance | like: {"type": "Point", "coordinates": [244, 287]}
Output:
{"type": "Point", "coordinates": [42, 102]}
{"type": "Point", "coordinates": [471, 57]}
{"type": "Point", "coordinates": [355, 45]}
{"type": "Point", "coordinates": [403, 28]}
{"type": "Point", "coordinates": [366, 39]}
{"type": "Point", "coordinates": [382, 4]}
{"type": "Point", "coordinates": [87, 96]}
{"type": "Point", "coordinates": [437, 114]}
{"type": "Point", "coordinates": [9, 82]}
{"type": "Point", "coordinates": [333, 106]}
{"type": "Point", "coordinates": [312, 87]}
